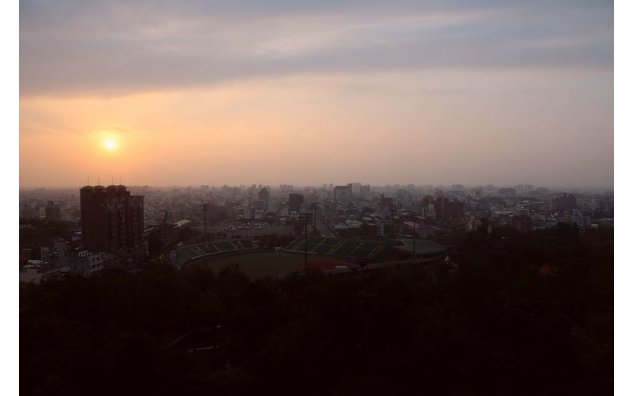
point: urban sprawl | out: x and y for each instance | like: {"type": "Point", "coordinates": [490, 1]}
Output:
{"type": "Point", "coordinates": [82, 231]}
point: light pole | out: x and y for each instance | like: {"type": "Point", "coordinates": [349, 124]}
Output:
{"type": "Point", "coordinates": [305, 246]}
{"type": "Point", "coordinates": [305, 219]}
{"type": "Point", "coordinates": [204, 221]}
{"type": "Point", "coordinates": [414, 234]}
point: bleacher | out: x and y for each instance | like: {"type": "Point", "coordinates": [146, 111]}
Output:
{"type": "Point", "coordinates": [184, 254]}
{"type": "Point", "coordinates": [225, 246]}
{"type": "Point", "coordinates": [337, 247]}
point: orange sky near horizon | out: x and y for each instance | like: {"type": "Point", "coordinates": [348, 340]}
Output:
{"type": "Point", "coordinates": [381, 128]}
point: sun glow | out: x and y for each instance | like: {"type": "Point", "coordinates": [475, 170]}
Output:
{"type": "Point", "coordinates": [110, 144]}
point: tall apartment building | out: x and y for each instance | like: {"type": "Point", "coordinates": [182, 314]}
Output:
{"type": "Point", "coordinates": [446, 208]}
{"type": "Point", "coordinates": [295, 202]}
{"type": "Point", "coordinates": [52, 211]}
{"type": "Point", "coordinates": [343, 194]}
{"type": "Point", "coordinates": [111, 219]}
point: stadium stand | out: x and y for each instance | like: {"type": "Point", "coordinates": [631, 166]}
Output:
{"type": "Point", "coordinates": [183, 254]}
{"type": "Point", "coordinates": [338, 247]}
{"type": "Point", "coordinates": [365, 249]}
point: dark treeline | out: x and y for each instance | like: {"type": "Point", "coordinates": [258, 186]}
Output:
{"type": "Point", "coordinates": [528, 314]}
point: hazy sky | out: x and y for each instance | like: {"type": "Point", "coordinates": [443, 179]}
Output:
{"type": "Point", "coordinates": [312, 92]}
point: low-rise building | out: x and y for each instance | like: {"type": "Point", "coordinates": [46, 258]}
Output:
{"type": "Point", "coordinates": [87, 263]}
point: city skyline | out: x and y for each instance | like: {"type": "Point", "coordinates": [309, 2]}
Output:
{"type": "Point", "coordinates": [303, 93]}
{"type": "Point", "coordinates": [298, 187]}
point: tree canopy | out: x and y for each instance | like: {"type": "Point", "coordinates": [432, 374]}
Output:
{"type": "Point", "coordinates": [514, 314]}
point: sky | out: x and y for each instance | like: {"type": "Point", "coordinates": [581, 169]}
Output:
{"type": "Point", "coordinates": [313, 92]}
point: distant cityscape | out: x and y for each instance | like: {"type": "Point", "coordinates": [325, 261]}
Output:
{"type": "Point", "coordinates": [87, 229]}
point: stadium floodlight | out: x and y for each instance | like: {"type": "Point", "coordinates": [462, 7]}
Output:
{"type": "Point", "coordinates": [305, 218]}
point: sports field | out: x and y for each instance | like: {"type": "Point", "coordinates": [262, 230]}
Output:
{"type": "Point", "coordinates": [257, 265]}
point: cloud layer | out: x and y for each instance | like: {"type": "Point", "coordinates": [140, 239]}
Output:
{"type": "Point", "coordinates": [110, 47]}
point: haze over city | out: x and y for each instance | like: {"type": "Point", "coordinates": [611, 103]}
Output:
{"type": "Point", "coordinates": [304, 92]}
{"type": "Point", "coordinates": [318, 198]}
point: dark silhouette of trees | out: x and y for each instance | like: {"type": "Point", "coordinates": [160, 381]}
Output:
{"type": "Point", "coordinates": [518, 314]}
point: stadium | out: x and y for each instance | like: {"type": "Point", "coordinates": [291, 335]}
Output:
{"type": "Point", "coordinates": [325, 254]}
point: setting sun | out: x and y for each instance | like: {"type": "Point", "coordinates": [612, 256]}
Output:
{"type": "Point", "coordinates": [110, 144]}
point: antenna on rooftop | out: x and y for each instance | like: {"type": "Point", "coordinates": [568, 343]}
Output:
{"type": "Point", "coordinates": [98, 181]}
{"type": "Point", "coordinates": [111, 179]}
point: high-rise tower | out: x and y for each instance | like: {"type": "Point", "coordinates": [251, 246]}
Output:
{"type": "Point", "coordinates": [111, 219]}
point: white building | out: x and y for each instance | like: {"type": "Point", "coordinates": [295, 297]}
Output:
{"type": "Point", "coordinates": [87, 263]}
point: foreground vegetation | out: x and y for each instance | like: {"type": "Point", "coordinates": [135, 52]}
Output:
{"type": "Point", "coordinates": [518, 314]}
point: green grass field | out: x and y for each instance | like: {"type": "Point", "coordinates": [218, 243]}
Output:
{"type": "Point", "coordinates": [257, 265]}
